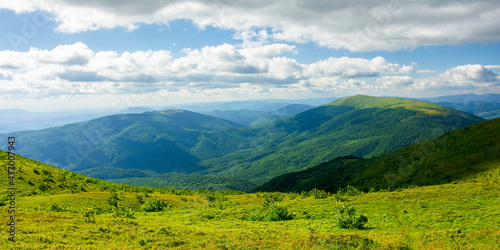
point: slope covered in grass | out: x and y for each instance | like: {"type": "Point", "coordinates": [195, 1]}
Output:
{"type": "Point", "coordinates": [454, 156]}
{"type": "Point", "coordinates": [453, 216]}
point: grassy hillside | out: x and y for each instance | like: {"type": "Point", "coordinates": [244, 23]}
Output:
{"type": "Point", "coordinates": [452, 216]}
{"type": "Point", "coordinates": [362, 126]}
{"type": "Point", "coordinates": [35, 178]}
{"type": "Point", "coordinates": [454, 156]}
{"type": "Point", "coordinates": [56, 209]}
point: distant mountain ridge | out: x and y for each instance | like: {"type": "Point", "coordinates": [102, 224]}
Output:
{"type": "Point", "coordinates": [360, 125]}
{"type": "Point", "coordinates": [255, 118]}
{"type": "Point", "coordinates": [183, 142]}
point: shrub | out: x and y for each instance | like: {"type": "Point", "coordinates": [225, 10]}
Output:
{"type": "Point", "coordinates": [347, 218]}
{"type": "Point", "coordinates": [349, 191]}
{"type": "Point", "coordinates": [293, 195]}
{"type": "Point", "coordinates": [47, 173]}
{"type": "Point", "coordinates": [56, 208]}
{"type": "Point", "coordinates": [123, 212]}
{"type": "Point", "coordinates": [113, 200]}
{"type": "Point", "coordinates": [43, 187]}
{"type": "Point", "coordinates": [88, 215]}
{"type": "Point", "coordinates": [272, 198]}
{"type": "Point", "coordinates": [4, 201]}
{"type": "Point", "coordinates": [319, 194]}
{"type": "Point", "coordinates": [141, 242]}
{"type": "Point", "coordinates": [154, 205]}
{"type": "Point", "coordinates": [140, 198]}
{"type": "Point", "coordinates": [273, 212]}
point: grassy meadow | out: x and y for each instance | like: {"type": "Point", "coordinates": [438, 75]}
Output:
{"type": "Point", "coordinates": [462, 215]}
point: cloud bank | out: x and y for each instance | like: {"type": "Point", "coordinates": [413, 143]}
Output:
{"type": "Point", "coordinates": [353, 25]}
{"type": "Point", "coordinates": [212, 71]}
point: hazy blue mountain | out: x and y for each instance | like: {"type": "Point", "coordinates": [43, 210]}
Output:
{"type": "Point", "coordinates": [487, 110]}
{"type": "Point", "coordinates": [464, 98]}
{"type": "Point", "coordinates": [255, 118]}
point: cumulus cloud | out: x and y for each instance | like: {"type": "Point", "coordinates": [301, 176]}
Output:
{"type": "Point", "coordinates": [352, 25]}
{"type": "Point", "coordinates": [346, 67]}
{"type": "Point", "coordinates": [461, 77]}
{"type": "Point", "coordinates": [226, 70]}
{"type": "Point", "coordinates": [394, 82]}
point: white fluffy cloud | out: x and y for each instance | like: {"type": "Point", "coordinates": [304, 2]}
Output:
{"type": "Point", "coordinates": [354, 25]}
{"type": "Point", "coordinates": [394, 82]}
{"type": "Point", "coordinates": [461, 77]}
{"type": "Point", "coordinates": [75, 69]}
{"type": "Point", "coordinates": [225, 70]}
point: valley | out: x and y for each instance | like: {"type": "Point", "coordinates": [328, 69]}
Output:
{"type": "Point", "coordinates": [175, 147]}
{"type": "Point", "coordinates": [429, 182]}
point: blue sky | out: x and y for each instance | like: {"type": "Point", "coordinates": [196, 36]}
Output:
{"type": "Point", "coordinates": [67, 54]}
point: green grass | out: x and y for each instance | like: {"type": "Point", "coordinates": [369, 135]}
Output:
{"type": "Point", "coordinates": [452, 216]}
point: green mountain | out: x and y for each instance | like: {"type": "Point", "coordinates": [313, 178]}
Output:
{"type": "Point", "coordinates": [168, 141]}
{"type": "Point", "coordinates": [181, 148]}
{"type": "Point", "coordinates": [456, 155]}
{"type": "Point", "coordinates": [255, 118]}
{"type": "Point", "coordinates": [362, 126]}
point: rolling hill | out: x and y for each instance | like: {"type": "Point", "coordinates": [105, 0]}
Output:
{"type": "Point", "coordinates": [167, 141]}
{"type": "Point", "coordinates": [453, 156]}
{"type": "Point", "coordinates": [255, 118]}
{"type": "Point", "coordinates": [58, 209]}
{"type": "Point", "coordinates": [362, 126]}
{"type": "Point", "coordinates": [160, 148]}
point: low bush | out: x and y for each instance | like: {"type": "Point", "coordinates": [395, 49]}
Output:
{"type": "Point", "coordinates": [347, 218]}
{"type": "Point", "coordinates": [123, 212]}
{"type": "Point", "coordinates": [154, 205]}
{"type": "Point", "coordinates": [273, 212]}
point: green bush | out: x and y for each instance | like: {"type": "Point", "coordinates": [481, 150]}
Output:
{"type": "Point", "coordinates": [88, 215]}
{"type": "Point", "coordinates": [123, 212]}
{"type": "Point", "coordinates": [4, 201]}
{"type": "Point", "coordinates": [347, 218]}
{"type": "Point", "coordinates": [43, 187]}
{"type": "Point", "coordinates": [349, 191]}
{"type": "Point", "coordinates": [154, 205]}
{"type": "Point", "coordinates": [141, 242]}
{"type": "Point", "coordinates": [56, 208]}
{"type": "Point", "coordinates": [319, 194]}
{"type": "Point", "coordinates": [113, 200]}
{"type": "Point", "coordinates": [140, 198]}
{"type": "Point", "coordinates": [272, 198]}
{"type": "Point", "coordinates": [273, 212]}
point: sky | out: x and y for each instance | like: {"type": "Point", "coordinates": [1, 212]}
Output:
{"type": "Point", "coordinates": [69, 54]}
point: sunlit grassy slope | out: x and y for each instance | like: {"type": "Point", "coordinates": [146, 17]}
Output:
{"type": "Point", "coordinates": [454, 156]}
{"type": "Point", "coordinates": [57, 209]}
{"type": "Point", "coordinates": [452, 216]}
